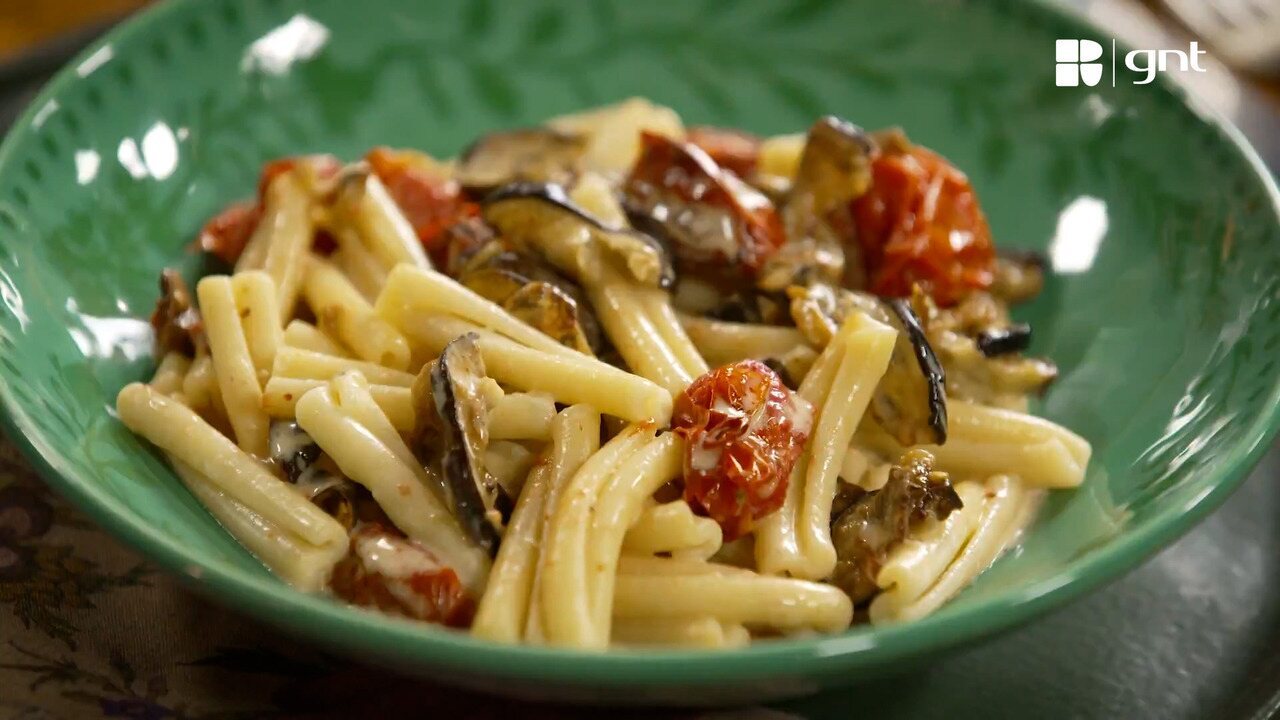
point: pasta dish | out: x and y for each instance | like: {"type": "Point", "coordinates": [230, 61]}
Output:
{"type": "Point", "coordinates": [611, 381]}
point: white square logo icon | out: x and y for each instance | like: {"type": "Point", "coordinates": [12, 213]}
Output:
{"type": "Point", "coordinates": [1075, 62]}
{"type": "Point", "coordinates": [1068, 75]}
{"type": "Point", "coordinates": [1067, 51]}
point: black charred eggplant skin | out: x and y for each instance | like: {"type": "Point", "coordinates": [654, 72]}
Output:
{"type": "Point", "coordinates": [537, 154]}
{"type": "Point", "coordinates": [1004, 341]}
{"type": "Point", "coordinates": [537, 197]}
{"type": "Point", "coordinates": [934, 376]}
{"type": "Point", "coordinates": [479, 502]}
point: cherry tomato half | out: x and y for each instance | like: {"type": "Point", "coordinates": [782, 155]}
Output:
{"type": "Point", "coordinates": [227, 233]}
{"type": "Point", "coordinates": [743, 431]}
{"type": "Point", "coordinates": [733, 150]}
{"type": "Point", "coordinates": [430, 201]}
{"type": "Point", "coordinates": [710, 216]}
{"type": "Point", "coordinates": [392, 573]}
{"type": "Point", "coordinates": [921, 223]}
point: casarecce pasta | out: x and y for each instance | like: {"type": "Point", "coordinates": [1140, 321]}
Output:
{"type": "Point", "coordinates": [612, 381]}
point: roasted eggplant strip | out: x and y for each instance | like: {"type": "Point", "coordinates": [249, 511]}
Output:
{"type": "Point", "coordinates": [292, 449]}
{"type": "Point", "coordinates": [869, 528]}
{"type": "Point", "coordinates": [1018, 277]}
{"type": "Point", "coordinates": [313, 474]}
{"type": "Point", "coordinates": [1002, 381]}
{"type": "Point", "coordinates": [981, 349]}
{"type": "Point", "coordinates": [537, 154]}
{"type": "Point", "coordinates": [549, 309]}
{"type": "Point", "coordinates": [886, 406]}
{"type": "Point", "coordinates": [463, 240]}
{"type": "Point", "coordinates": [532, 290]}
{"type": "Point", "coordinates": [452, 432]}
{"type": "Point", "coordinates": [835, 168]}
{"type": "Point", "coordinates": [541, 217]}
{"type": "Point", "coordinates": [910, 401]}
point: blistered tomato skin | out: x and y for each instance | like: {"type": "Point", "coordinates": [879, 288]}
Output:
{"type": "Point", "coordinates": [389, 572]}
{"type": "Point", "coordinates": [732, 150]}
{"type": "Point", "coordinates": [743, 432]}
{"type": "Point", "coordinates": [228, 232]}
{"type": "Point", "coordinates": [921, 223]}
{"type": "Point", "coordinates": [430, 203]}
{"type": "Point", "coordinates": [709, 215]}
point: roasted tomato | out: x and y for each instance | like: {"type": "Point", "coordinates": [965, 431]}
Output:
{"type": "Point", "coordinates": [319, 167]}
{"type": "Point", "coordinates": [227, 233]}
{"type": "Point", "coordinates": [429, 200]}
{"type": "Point", "coordinates": [710, 217]}
{"type": "Point", "coordinates": [731, 149]}
{"type": "Point", "coordinates": [389, 572]}
{"type": "Point", "coordinates": [743, 431]}
{"type": "Point", "coordinates": [920, 223]}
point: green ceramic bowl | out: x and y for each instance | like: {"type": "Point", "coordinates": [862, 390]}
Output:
{"type": "Point", "coordinates": [1161, 224]}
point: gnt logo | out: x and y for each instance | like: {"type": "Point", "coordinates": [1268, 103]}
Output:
{"type": "Point", "coordinates": [1076, 62]}
{"type": "Point", "coordinates": [1079, 61]}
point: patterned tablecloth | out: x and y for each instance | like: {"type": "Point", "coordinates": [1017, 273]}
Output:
{"type": "Point", "coordinates": [89, 629]}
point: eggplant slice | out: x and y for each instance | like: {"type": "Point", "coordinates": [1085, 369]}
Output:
{"type": "Point", "coordinates": [981, 348]}
{"type": "Point", "coordinates": [538, 154]}
{"type": "Point", "coordinates": [1019, 276]}
{"type": "Point", "coordinates": [317, 478]}
{"type": "Point", "coordinates": [899, 396]}
{"type": "Point", "coordinates": [1004, 341]}
{"type": "Point", "coordinates": [549, 309]}
{"type": "Point", "coordinates": [835, 168]}
{"type": "Point", "coordinates": [910, 402]}
{"type": "Point", "coordinates": [463, 240]}
{"type": "Point", "coordinates": [528, 287]}
{"type": "Point", "coordinates": [542, 217]}
{"type": "Point", "coordinates": [452, 430]}
{"type": "Point", "coordinates": [866, 531]}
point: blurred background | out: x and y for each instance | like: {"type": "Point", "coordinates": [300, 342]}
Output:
{"type": "Point", "coordinates": [1243, 35]}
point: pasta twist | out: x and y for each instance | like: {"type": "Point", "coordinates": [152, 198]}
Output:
{"type": "Point", "coordinates": [237, 377]}
{"type": "Point", "coordinates": [797, 538]}
{"type": "Point", "coordinates": [510, 610]}
{"type": "Point", "coordinates": [343, 418]}
{"type": "Point", "coordinates": [669, 589]}
{"type": "Point", "coordinates": [920, 578]}
{"type": "Point", "coordinates": [584, 535]}
{"type": "Point", "coordinates": [672, 528]}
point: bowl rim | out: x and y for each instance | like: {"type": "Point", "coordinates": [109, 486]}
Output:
{"type": "Point", "coordinates": [396, 640]}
